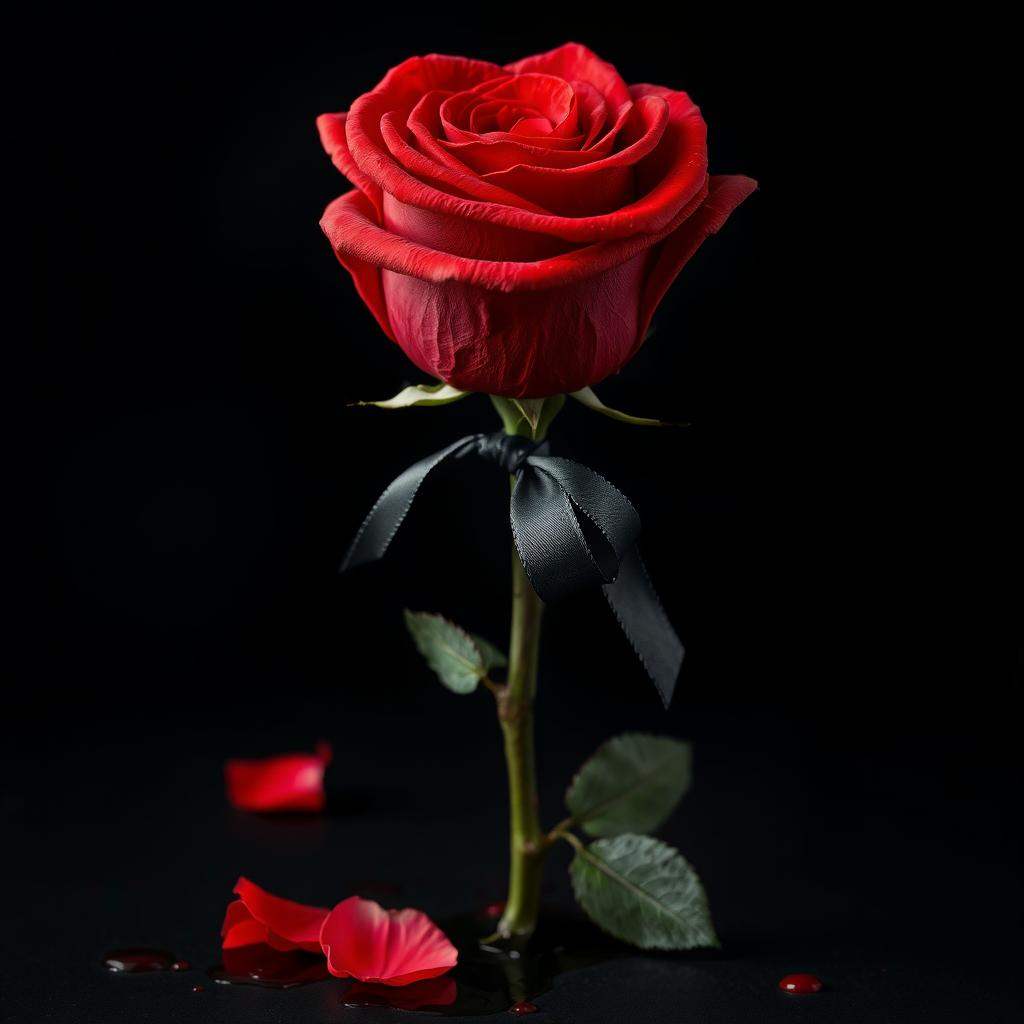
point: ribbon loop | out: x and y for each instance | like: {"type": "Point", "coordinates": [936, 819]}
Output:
{"type": "Point", "coordinates": [601, 502]}
{"type": "Point", "coordinates": [572, 529]}
{"type": "Point", "coordinates": [551, 545]}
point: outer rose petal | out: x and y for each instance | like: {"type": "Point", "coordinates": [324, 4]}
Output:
{"type": "Point", "coordinates": [332, 138]}
{"type": "Point", "coordinates": [290, 782]}
{"type": "Point", "coordinates": [259, 916]}
{"type": "Point", "coordinates": [500, 327]}
{"type": "Point", "coordinates": [362, 940]}
{"type": "Point", "coordinates": [351, 226]}
{"type": "Point", "coordinates": [513, 343]}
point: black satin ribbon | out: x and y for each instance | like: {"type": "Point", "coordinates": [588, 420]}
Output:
{"type": "Point", "coordinates": [561, 552]}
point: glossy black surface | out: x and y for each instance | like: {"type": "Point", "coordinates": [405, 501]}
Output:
{"type": "Point", "coordinates": [836, 536]}
{"type": "Point", "coordinates": [859, 891]}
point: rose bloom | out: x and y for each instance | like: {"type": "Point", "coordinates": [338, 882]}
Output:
{"type": "Point", "coordinates": [514, 228]}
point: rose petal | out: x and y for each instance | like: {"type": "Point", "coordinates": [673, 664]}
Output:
{"type": "Point", "coordinates": [473, 115]}
{"type": "Point", "coordinates": [487, 155]}
{"type": "Point", "coordinates": [362, 940]}
{"type": "Point", "coordinates": [485, 325]}
{"type": "Point", "coordinates": [600, 186]}
{"type": "Point", "coordinates": [458, 180]}
{"type": "Point", "coordinates": [288, 782]}
{"type": "Point", "coordinates": [681, 159]}
{"type": "Point", "coordinates": [543, 98]}
{"type": "Point", "coordinates": [573, 60]}
{"type": "Point", "coordinates": [260, 916]}
{"type": "Point", "coordinates": [446, 235]}
{"type": "Point", "coordinates": [362, 245]}
{"type": "Point", "coordinates": [483, 157]}
{"type": "Point", "coordinates": [332, 138]}
{"type": "Point", "coordinates": [240, 928]}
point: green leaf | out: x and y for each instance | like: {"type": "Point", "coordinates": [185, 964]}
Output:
{"type": "Point", "coordinates": [642, 891]}
{"type": "Point", "coordinates": [632, 784]}
{"type": "Point", "coordinates": [587, 397]}
{"type": "Point", "coordinates": [450, 651]}
{"type": "Point", "coordinates": [493, 657]}
{"type": "Point", "coordinates": [420, 394]}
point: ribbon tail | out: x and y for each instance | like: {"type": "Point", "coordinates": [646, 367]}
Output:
{"type": "Point", "coordinates": [635, 603]}
{"type": "Point", "coordinates": [383, 520]}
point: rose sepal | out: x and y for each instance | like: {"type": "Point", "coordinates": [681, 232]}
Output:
{"type": "Point", "coordinates": [421, 394]}
{"type": "Point", "coordinates": [586, 397]}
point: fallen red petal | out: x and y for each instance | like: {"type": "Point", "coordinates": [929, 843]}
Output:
{"type": "Point", "coordinates": [364, 941]}
{"type": "Point", "coordinates": [259, 916]}
{"type": "Point", "coordinates": [289, 782]}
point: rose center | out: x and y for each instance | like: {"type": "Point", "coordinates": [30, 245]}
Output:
{"type": "Point", "coordinates": [530, 105]}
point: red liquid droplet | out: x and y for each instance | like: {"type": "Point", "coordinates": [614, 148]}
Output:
{"type": "Point", "coordinates": [181, 965]}
{"type": "Point", "coordinates": [523, 1008]}
{"type": "Point", "coordinates": [261, 965]}
{"type": "Point", "coordinates": [495, 909]}
{"type": "Point", "coordinates": [198, 988]}
{"type": "Point", "coordinates": [801, 984]}
{"type": "Point", "coordinates": [137, 960]}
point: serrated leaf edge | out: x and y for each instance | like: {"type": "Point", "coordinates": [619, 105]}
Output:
{"type": "Point", "coordinates": [605, 868]}
{"type": "Point", "coordinates": [482, 645]}
{"type": "Point", "coordinates": [480, 670]}
{"type": "Point", "coordinates": [581, 819]}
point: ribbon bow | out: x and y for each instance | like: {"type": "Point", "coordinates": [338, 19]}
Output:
{"type": "Point", "coordinates": [561, 551]}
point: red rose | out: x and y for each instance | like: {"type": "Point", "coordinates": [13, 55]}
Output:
{"type": "Point", "coordinates": [513, 229]}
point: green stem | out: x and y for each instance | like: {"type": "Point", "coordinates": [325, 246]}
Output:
{"type": "Point", "coordinates": [528, 842]}
{"type": "Point", "coordinates": [515, 709]}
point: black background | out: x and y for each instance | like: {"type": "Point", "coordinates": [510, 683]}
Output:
{"type": "Point", "coordinates": [832, 536]}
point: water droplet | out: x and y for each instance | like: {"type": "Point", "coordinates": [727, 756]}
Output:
{"type": "Point", "coordinates": [801, 984]}
{"type": "Point", "coordinates": [520, 1009]}
{"type": "Point", "coordinates": [181, 965]}
{"type": "Point", "coordinates": [198, 988]}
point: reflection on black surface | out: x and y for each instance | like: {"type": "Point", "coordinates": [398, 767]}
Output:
{"type": "Point", "coordinates": [419, 995]}
{"type": "Point", "coordinates": [486, 980]}
{"type": "Point", "coordinates": [492, 980]}
{"type": "Point", "coordinates": [140, 959]}
{"type": "Point", "coordinates": [261, 965]}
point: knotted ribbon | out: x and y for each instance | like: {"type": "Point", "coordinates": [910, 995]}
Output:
{"type": "Point", "coordinates": [572, 529]}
